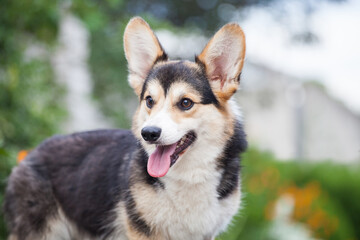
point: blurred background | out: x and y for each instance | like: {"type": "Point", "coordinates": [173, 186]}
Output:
{"type": "Point", "coordinates": [62, 69]}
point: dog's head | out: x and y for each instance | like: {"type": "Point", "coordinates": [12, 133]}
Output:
{"type": "Point", "coordinates": [185, 107]}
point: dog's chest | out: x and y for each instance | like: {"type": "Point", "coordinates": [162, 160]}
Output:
{"type": "Point", "coordinates": [184, 211]}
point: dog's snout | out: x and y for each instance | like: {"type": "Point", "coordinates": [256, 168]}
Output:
{"type": "Point", "coordinates": [151, 133]}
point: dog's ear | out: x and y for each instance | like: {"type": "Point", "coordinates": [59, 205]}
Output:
{"type": "Point", "coordinates": [142, 51]}
{"type": "Point", "coordinates": [223, 59]}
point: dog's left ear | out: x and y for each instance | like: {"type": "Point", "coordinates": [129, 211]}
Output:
{"type": "Point", "coordinates": [223, 59]}
{"type": "Point", "coordinates": [142, 50]}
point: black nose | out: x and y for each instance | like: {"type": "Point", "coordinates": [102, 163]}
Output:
{"type": "Point", "coordinates": [151, 133]}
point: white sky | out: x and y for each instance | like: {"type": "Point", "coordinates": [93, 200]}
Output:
{"type": "Point", "coordinates": [334, 60]}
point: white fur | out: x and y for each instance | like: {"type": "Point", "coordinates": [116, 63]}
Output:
{"type": "Point", "coordinates": [61, 228]}
{"type": "Point", "coordinates": [235, 109]}
{"type": "Point", "coordinates": [171, 132]}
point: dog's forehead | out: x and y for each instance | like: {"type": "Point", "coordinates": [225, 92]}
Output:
{"type": "Point", "coordinates": [170, 72]}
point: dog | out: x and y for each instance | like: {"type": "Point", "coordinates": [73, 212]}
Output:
{"type": "Point", "coordinates": [175, 175]}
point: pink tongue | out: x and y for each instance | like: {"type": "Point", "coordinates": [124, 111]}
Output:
{"type": "Point", "coordinates": [159, 162]}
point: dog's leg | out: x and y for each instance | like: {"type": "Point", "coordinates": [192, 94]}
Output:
{"type": "Point", "coordinates": [29, 203]}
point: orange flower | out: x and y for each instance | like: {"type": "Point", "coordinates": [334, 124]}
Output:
{"type": "Point", "coordinates": [21, 155]}
{"type": "Point", "coordinates": [317, 219]}
{"type": "Point", "coordinates": [270, 177]}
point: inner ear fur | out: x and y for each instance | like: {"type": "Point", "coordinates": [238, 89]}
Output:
{"type": "Point", "coordinates": [142, 51]}
{"type": "Point", "coordinates": [223, 59]}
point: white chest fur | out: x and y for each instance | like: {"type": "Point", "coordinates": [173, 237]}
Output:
{"type": "Point", "coordinates": [186, 210]}
{"type": "Point", "coordinates": [195, 212]}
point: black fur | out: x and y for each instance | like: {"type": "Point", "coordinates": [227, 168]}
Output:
{"type": "Point", "coordinates": [200, 63]}
{"type": "Point", "coordinates": [230, 162]}
{"type": "Point", "coordinates": [88, 164]}
{"type": "Point", "coordinates": [162, 58]}
{"type": "Point", "coordinates": [136, 220]}
{"type": "Point", "coordinates": [87, 173]}
{"type": "Point", "coordinates": [169, 73]}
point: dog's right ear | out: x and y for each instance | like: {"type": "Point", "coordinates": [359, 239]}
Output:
{"type": "Point", "coordinates": [142, 51]}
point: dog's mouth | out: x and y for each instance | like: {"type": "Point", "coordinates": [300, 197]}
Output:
{"type": "Point", "coordinates": [165, 156]}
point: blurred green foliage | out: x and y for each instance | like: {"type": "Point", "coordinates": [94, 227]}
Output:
{"type": "Point", "coordinates": [325, 198]}
{"type": "Point", "coordinates": [21, 21]}
{"type": "Point", "coordinates": [29, 103]}
{"type": "Point", "coordinates": [30, 100]}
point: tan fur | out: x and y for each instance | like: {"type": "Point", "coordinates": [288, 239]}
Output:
{"type": "Point", "coordinates": [176, 93]}
{"type": "Point", "coordinates": [121, 223]}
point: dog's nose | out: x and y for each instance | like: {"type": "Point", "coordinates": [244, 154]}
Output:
{"type": "Point", "coordinates": [151, 133]}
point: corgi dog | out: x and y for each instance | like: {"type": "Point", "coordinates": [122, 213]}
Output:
{"type": "Point", "coordinates": [174, 176]}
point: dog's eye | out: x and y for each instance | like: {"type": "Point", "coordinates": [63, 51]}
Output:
{"type": "Point", "coordinates": [186, 104]}
{"type": "Point", "coordinates": [149, 102]}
